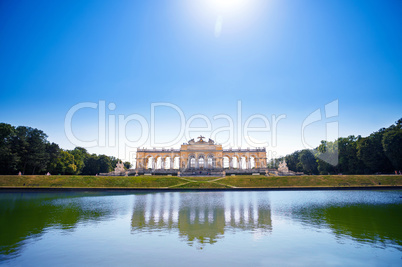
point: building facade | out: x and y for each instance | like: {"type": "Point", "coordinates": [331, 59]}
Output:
{"type": "Point", "coordinates": [200, 156]}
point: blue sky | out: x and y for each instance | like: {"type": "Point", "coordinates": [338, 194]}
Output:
{"type": "Point", "coordinates": [276, 57]}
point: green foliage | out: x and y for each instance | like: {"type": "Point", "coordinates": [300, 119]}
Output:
{"type": "Point", "coordinates": [349, 163]}
{"type": "Point", "coordinates": [378, 153]}
{"type": "Point", "coordinates": [293, 161]}
{"type": "Point", "coordinates": [8, 157]}
{"type": "Point", "coordinates": [326, 152]}
{"type": "Point", "coordinates": [370, 151]}
{"type": "Point", "coordinates": [27, 150]}
{"type": "Point", "coordinates": [127, 165]}
{"type": "Point", "coordinates": [392, 143]}
{"type": "Point", "coordinates": [29, 145]}
{"type": "Point", "coordinates": [53, 151]}
{"type": "Point", "coordinates": [65, 164]}
{"type": "Point", "coordinates": [80, 155]}
{"type": "Point", "coordinates": [308, 162]}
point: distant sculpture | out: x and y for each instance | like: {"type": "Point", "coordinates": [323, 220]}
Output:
{"type": "Point", "coordinates": [119, 167]}
{"type": "Point", "coordinates": [210, 141]}
{"type": "Point", "coordinates": [283, 166]}
{"type": "Point", "coordinates": [201, 139]}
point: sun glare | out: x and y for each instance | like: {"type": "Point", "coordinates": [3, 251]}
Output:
{"type": "Point", "coordinates": [227, 5]}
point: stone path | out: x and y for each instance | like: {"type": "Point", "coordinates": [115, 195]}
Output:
{"type": "Point", "coordinates": [213, 181]}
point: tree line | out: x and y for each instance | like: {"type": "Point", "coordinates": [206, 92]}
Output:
{"type": "Point", "coordinates": [380, 152]}
{"type": "Point", "coordinates": [27, 150]}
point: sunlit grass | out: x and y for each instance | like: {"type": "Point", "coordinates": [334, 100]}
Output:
{"type": "Point", "coordinates": [89, 181]}
{"type": "Point", "coordinates": [241, 181]}
{"type": "Point", "coordinates": [313, 181]}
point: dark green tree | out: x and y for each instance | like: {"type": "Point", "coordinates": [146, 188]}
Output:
{"type": "Point", "coordinates": [80, 155]}
{"type": "Point", "coordinates": [8, 157]}
{"type": "Point", "coordinates": [53, 151]}
{"type": "Point", "coordinates": [308, 162]}
{"type": "Point", "coordinates": [37, 157]}
{"type": "Point", "coordinates": [392, 144]}
{"type": "Point", "coordinates": [105, 163]}
{"type": "Point", "coordinates": [127, 165]}
{"type": "Point", "coordinates": [349, 163]}
{"type": "Point", "coordinates": [293, 162]}
{"type": "Point", "coordinates": [91, 165]}
{"type": "Point", "coordinates": [370, 151]}
{"type": "Point", "coordinates": [30, 146]}
{"type": "Point", "coordinates": [65, 163]}
{"type": "Point", "coordinates": [327, 157]}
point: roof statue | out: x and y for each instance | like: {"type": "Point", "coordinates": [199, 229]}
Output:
{"type": "Point", "coordinates": [201, 139]}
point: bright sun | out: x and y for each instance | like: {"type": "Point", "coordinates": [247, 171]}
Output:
{"type": "Point", "coordinates": [226, 5]}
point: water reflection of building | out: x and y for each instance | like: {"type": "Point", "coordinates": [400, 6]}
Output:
{"type": "Point", "coordinates": [201, 217]}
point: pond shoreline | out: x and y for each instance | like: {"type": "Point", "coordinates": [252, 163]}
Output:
{"type": "Point", "coordinates": [121, 189]}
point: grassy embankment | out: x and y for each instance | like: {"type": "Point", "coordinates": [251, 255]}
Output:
{"type": "Point", "coordinates": [244, 181]}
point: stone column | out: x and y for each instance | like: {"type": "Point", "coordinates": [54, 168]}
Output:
{"type": "Point", "coordinates": [171, 162]}
{"type": "Point", "coordinates": [137, 163]}
{"type": "Point", "coordinates": [162, 163]}
{"type": "Point", "coordinates": [231, 163]}
{"type": "Point", "coordinates": [141, 163]}
{"type": "Point", "coordinates": [181, 160]}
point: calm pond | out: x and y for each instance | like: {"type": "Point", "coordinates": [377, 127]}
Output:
{"type": "Point", "coordinates": [250, 228]}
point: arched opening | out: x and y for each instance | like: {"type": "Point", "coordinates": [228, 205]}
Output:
{"type": "Point", "coordinates": [192, 162]}
{"type": "Point", "coordinates": [243, 163]}
{"type": "Point", "coordinates": [158, 162]}
{"type": "Point", "coordinates": [149, 162]}
{"type": "Point", "coordinates": [235, 162]}
{"type": "Point", "coordinates": [166, 163]}
{"type": "Point", "coordinates": [176, 163]}
{"type": "Point", "coordinates": [201, 163]}
{"type": "Point", "coordinates": [225, 162]}
{"type": "Point", "coordinates": [210, 162]}
{"type": "Point", "coordinates": [252, 162]}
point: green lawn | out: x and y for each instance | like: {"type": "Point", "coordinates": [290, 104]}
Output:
{"type": "Point", "coordinates": [89, 181]}
{"type": "Point", "coordinates": [244, 181]}
{"type": "Point", "coordinates": [313, 180]}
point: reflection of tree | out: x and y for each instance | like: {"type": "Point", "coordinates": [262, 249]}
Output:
{"type": "Point", "coordinates": [200, 217]}
{"type": "Point", "coordinates": [362, 222]}
{"type": "Point", "coordinates": [27, 215]}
